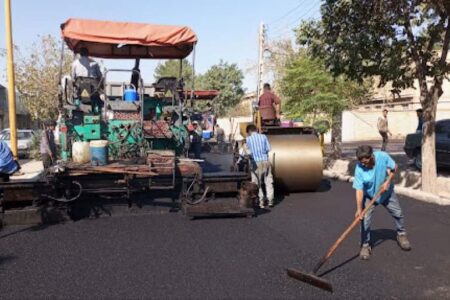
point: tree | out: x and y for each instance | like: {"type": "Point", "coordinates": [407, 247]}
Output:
{"type": "Point", "coordinates": [37, 76]}
{"type": "Point", "coordinates": [171, 68]}
{"type": "Point", "coordinates": [311, 91]}
{"type": "Point", "coordinates": [226, 78]}
{"type": "Point", "coordinates": [400, 41]}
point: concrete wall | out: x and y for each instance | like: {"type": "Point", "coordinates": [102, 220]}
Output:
{"type": "Point", "coordinates": [231, 126]}
{"type": "Point", "coordinates": [359, 125]}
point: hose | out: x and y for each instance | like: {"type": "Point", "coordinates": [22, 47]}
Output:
{"type": "Point", "coordinates": [63, 199]}
{"type": "Point", "coordinates": [202, 198]}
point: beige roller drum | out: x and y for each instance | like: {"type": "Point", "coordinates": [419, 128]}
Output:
{"type": "Point", "coordinates": [297, 162]}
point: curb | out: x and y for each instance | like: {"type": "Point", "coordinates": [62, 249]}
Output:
{"type": "Point", "coordinates": [415, 194]}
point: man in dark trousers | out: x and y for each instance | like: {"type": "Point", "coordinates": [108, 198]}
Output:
{"type": "Point", "coordinates": [383, 128]}
{"type": "Point", "coordinates": [196, 134]}
{"type": "Point", "coordinates": [259, 147]}
{"type": "Point", "coordinates": [419, 113]}
{"type": "Point", "coordinates": [375, 171]}
{"type": "Point", "coordinates": [269, 105]}
{"type": "Point", "coordinates": [48, 146]}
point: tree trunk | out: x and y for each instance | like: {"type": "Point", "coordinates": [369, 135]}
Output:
{"type": "Point", "coordinates": [336, 135]}
{"type": "Point", "coordinates": [429, 170]}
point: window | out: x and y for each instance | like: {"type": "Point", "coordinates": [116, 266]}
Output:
{"type": "Point", "coordinates": [443, 126]}
{"type": "Point", "coordinates": [21, 135]}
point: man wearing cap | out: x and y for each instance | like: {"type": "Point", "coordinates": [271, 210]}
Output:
{"type": "Point", "coordinates": [196, 133]}
{"type": "Point", "coordinates": [48, 146]}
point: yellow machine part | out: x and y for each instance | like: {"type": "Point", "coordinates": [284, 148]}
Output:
{"type": "Point", "coordinates": [297, 162]}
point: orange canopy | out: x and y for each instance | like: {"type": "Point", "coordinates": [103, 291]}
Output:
{"type": "Point", "coordinates": [128, 40]}
{"type": "Point", "coordinates": [204, 94]}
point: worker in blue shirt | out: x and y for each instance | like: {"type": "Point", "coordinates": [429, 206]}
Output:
{"type": "Point", "coordinates": [375, 171]}
{"type": "Point", "coordinates": [8, 165]}
{"type": "Point", "coordinates": [259, 147]}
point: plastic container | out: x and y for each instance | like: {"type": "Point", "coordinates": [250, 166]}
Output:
{"type": "Point", "coordinates": [207, 134]}
{"type": "Point", "coordinates": [99, 152]}
{"type": "Point", "coordinates": [130, 94]}
{"type": "Point", "coordinates": [80, 152]}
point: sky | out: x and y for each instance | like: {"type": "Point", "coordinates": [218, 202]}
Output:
{"type": "Point", "coordinates": [226, 30]}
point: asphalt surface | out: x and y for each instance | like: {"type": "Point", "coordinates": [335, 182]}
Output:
{"type": "Point", "coordinates": [163, 255]}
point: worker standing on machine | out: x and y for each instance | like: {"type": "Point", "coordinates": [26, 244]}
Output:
{"type": "Point", "coordinates": [48, 146]}
{"type": "Point", "coordinates": [87, 78]}
{"type": "Point", "coordinates": [196, 133]}
{"type": "Point", "coordinates": [84, 66]}
{"type": "Point", "coordinates": [269, 106]}
{"type": "Point", "coordinates": [259, 147]}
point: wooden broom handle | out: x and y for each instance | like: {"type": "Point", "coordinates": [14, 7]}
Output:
{"type": "Point", "coordinates": [346, 232]}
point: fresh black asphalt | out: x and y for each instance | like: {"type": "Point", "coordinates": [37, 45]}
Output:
{"type": "Point", "coordinates": [163, 255]}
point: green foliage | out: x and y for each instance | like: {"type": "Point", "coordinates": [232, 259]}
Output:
{"type": "Point", "coordinates": [35, 152]}
{"type": "Point", "coordinates": [322, 126]}
{"type": "Point", "coordinates": [311, 91]}
{"type": "Point", "coordinates": [395, 40]}
{"type": "Point", "coordinates": [226, 78]}
{"type": "Point", "coordinates": [400, 42]}
{"type": "Point", "coordinates": [37, 76]}
{"type": "Point", "coordinates": [171, 68]}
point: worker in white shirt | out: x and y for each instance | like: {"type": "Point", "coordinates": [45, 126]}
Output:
{"type": "Point", "coordinates": [84, 66]}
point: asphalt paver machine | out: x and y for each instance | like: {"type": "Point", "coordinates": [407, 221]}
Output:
{"type": "Point", "coordinates": [141, 134]}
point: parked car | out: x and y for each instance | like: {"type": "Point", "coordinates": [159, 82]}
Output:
{"type": "Point", "coordinates": [413, 144]}
{"type": "Point", "coordinates": [24, 140]}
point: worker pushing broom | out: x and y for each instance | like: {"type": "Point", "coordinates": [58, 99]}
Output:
{"type": "Point", "coordinates": [374, 186]}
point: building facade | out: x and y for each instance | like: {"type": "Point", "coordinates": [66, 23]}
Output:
{"type": "Point", "coordinates": [23, 118]}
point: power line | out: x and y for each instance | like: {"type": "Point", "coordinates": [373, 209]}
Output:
{"type": "Point", "coordinates": [287, 13]}
{"type": "Point", "coordinates": [293, 18]}
{"type": "Point", "coordinates": [288, 27]}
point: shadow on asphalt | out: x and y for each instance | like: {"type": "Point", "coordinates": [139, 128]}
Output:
{"type": "Point", "coordinates": [30, 228]}
{"type": "Point", "coordinates": [106, 205]}
{"type": "Point", "coordinates": [6, 259]}
{"type": "Point", "coordinates": [325, 186]}
{"type": "Point", "coordinates": [378, 236]}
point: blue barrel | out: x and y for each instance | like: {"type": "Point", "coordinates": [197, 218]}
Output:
{"type": "Point", "coordinates": [130, 95]}
{"type": "Point", "coordinates": [99, 152]}
{"type": "Point", "coordinates": [207, 134]}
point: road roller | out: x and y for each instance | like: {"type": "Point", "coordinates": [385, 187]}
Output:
{"type": "Point", "coordinates": [296, 156]}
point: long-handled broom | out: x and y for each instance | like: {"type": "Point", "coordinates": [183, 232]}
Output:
{"type": "Point", "coordinates": [312, 277]}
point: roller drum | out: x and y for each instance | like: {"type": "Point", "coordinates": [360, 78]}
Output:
{"type": "Point", "coordinates": [297, 162]}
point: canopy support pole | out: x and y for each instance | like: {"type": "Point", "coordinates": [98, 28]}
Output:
{"type": "Point", "coordinates": [193, 74]}
{"type": "Point", "coordinates": [61, 64]}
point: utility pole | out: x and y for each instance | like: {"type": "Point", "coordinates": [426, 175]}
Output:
{"type": "Point", "coordinates": [261, 47]}
{"type": "Point", "coordinates": [11, 80]}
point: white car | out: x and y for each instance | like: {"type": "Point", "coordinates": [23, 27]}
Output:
{"type": "Point", "coordinates": [24, 140]}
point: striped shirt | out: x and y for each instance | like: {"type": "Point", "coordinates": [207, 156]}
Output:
{"type": "Point", "coordinates": [259, 146]}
